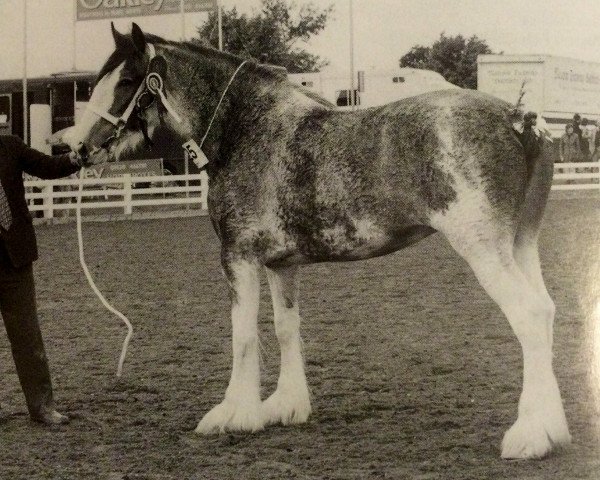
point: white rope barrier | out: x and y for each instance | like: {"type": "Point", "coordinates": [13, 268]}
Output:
{"type": "Point", "coordinates": [90, 280]}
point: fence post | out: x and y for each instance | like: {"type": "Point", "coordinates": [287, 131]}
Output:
{"type": "Point", "coordinates": [127, 193]}
{"type": "Point", "coordinates": [48, 201]}
{"type": "Point", "coordinates": [204, 193]}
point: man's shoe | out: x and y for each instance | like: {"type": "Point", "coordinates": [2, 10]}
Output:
{"type": "Point", "coordinates": [50, 417]}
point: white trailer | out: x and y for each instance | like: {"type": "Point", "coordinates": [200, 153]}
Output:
{"type": "Point", "coordinates": [555, 87]}
{"type": "Point", "coordinates": [374, 88]}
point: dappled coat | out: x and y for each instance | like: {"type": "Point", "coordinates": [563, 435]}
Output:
{"type": "Point", "coordinates": [569, 148]}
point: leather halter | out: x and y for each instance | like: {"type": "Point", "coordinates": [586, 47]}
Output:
{"type": "Point", "coordinates": [152, 85]}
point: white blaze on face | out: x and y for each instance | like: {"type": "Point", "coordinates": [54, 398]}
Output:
{"type": "Point", "coordinates": [102, 99]}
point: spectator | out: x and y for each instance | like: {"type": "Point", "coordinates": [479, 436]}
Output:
{"type": "Point", "coordinates": [596, 154]}
{"type": "Point", "coordinates": [586, 140]}
{"type": "Point", "coordinates": [575, 123]}
{"type": "Point", "coordinates": [569, 148]}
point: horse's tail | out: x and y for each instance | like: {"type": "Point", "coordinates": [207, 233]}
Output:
{"type": "Point", "coordinates": [537, 151]}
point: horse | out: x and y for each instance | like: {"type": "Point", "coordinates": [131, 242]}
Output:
{"type": "Point", "coordinates": [294, 182]}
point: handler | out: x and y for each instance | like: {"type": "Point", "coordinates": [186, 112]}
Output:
{"type": "Point", "coordinates": [18, 249]}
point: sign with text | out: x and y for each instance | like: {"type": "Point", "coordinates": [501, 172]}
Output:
{"type": "Point", "coordinates": [572, 86]}
{"type": "Point", "coordinates": [103, 9]}
{"type": "Point", "coordinates": [137, 168]}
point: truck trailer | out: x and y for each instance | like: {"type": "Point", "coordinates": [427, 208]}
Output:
{"type": "Point", "coordinates": [555, 87]}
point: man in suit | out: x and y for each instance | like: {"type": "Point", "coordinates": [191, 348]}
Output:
{"type": "Point", "coordinates": [18, 249]}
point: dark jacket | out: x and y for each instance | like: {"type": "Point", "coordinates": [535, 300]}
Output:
{"type": "Point", "coordinates": [569, 148]}
{"type": "Point", "coordinates": [15, 158]}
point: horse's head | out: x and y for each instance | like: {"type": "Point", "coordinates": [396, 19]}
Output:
{"type": "Point", "coordinates": [117, 118]}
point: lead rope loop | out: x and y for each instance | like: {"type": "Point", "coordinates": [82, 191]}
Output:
{"type": "Point", "coordinates": [93, 285]}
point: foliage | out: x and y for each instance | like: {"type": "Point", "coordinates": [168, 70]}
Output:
{"type": "Point", "coordinates": [455, 58]}
{"type": "Point", "coordinates": [271, 35]}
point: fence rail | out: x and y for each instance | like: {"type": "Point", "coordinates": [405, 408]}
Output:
{"type": "Point", "coordinates": [576, 176]}
{"type": "Point", "coordinates": [124, 193]}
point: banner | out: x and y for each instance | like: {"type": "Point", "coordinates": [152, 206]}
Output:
{"type": "Point", "coordinates": [137, 168]}
{"type": "Point", "coordinates": [103, 9]}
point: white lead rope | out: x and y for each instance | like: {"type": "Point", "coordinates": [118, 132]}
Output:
{"type": "Point", "coordinates": [93, 285]}
{"type": "Point", "coordinates": [221, 101]}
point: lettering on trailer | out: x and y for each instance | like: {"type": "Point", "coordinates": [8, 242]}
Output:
{"type": "Point", "coordinates": [102, 9]}
{"type": "Point", "coordinates": [571, 76]}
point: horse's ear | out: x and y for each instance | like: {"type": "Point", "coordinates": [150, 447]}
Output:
{"type": "Point", "coordinates": [120, 39]}
{"type": "Point", "coordinates": [139, 40]}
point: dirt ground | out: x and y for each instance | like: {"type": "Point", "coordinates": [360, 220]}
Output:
{"type": "Point", "coordinates": [414, 372]}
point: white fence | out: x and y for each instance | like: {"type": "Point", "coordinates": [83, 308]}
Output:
{"type": "Point", "coordinates": [124, 193]}
{"type": "Point", "coordinates": [576, 176]}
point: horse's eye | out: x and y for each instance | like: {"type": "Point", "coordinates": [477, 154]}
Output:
{"type": "Point", "coordinates": [125, 82]}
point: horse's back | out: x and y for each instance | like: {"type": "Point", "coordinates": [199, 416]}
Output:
{"type": "Point", "coordinates": [411, 152]}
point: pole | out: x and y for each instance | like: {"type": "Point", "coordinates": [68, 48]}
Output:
{"type": "Point", "coordinates": [182, 11]}
{"type": "Point", "coordinates": [220, 22]}
{"type": "Point", "coordinates": [74, 101]}
{"type": "Point", "coordinates": [25, 102]}
{"type": "Point", "coordinates": [74, 36]}
{"type": "Point", "coordinates": [186, 159]}
{"type": "Point", "coordinates": [352, 84]}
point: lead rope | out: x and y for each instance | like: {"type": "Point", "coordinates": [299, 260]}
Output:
{"type": "Point", "coordinates": [221, 101]}
{"type": "Point", "coordinates": [93, 285]}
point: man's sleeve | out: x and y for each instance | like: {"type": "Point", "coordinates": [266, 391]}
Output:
{"type": "Point", "coordinates": [45, 166]}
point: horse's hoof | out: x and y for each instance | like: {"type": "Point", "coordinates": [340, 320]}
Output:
{"type": "Point", "coordinates": [231, 416]}
{"type": "Point", "coordinates": [532, 437]}
{"type": "Point", "coordinates": [287, 409]}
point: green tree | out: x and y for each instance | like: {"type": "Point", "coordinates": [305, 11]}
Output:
{"type": "Point", "coordinates": [272, 34]}
{"type": "Point", "coordinates": [455, 58]}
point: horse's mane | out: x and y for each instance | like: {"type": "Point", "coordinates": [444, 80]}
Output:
{"type": "Point", "coordinates": [314, 96]}
{"type": "Point", "coordinates": [273, 72]}
{"type": "Point", "coordinates": [264, 70]}
{"type": "Point", "coordinates": [269, 72]}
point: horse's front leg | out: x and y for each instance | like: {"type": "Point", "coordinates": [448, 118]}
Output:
{"type": "Point", "coordinates": [241, 409]}
{"type": "Point", "coordinates": [290, 403]}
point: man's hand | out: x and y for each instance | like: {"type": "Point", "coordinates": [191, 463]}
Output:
{"type": "Point", "coordinates": [80, 157]}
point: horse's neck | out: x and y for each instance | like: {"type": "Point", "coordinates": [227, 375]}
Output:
{"type": "Point", "coordinates": [197, 85]}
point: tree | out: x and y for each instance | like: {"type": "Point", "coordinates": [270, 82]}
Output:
{"type": "Point", "coordinates": [271, 35]}
{"type": "Point", "coordinates": [455, 58]}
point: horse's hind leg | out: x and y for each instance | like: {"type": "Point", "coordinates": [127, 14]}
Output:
{"type": "Point", "coordinates": [528, 259]}
{"type": "Point", "coordinates": [241, 408]}
{"type": "Point", "coordinates": [290, 403]}
{"type": "Point", "coordinates": [541, 422]}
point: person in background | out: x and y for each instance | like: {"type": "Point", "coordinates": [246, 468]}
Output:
{"type": "Point", "coordinates": [569, 148]}
{"type": "Point", "coordinates": [585, 140]}
{"type": "Point", "coordinates": [18, 250]}
{"type": "Point", "coordinates": [575, 124]}
{"type": "Point", "coordinates": [596, 154]}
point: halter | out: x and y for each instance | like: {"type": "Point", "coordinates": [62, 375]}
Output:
{"type": "Point", "coordinates": [152, 85]}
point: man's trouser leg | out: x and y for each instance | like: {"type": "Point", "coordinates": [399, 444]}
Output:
{"type": "Point", "coordinates": [18, 308]}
